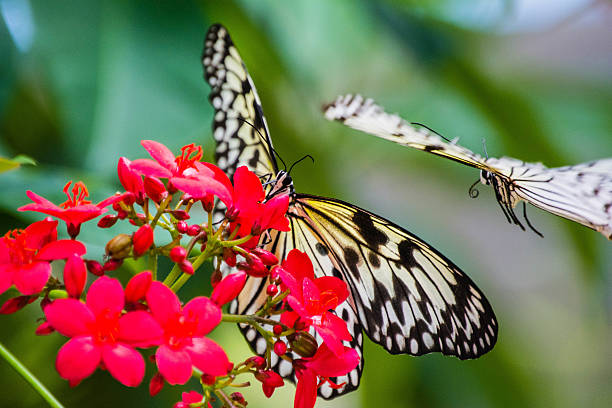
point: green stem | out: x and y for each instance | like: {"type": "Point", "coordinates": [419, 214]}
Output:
{"type": "Point", "coordinates": [162, 206]}
{"type": "Point", "coordinates": [174, 273]}
{"type": "Point", "coordinates": [180, 282]}
{"type": "Point", "coordinates": [29, 377]}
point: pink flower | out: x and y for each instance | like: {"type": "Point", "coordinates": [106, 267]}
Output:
{"type": "Point", "coordinates": [185, 172]}
{"type": "Point", "coordinates": [228, 288]}
{"type": "Point", "coordinates": [254, 216]}
{"type": "Point", "coordinates": [269, 381]}
{"type": "Point", "coordinates": [184, 328]}
{"type": "Point", "coordinates": [25, 256]}
{"type": "Point", "coordinates": [191, 397]}
{"type": "Point", "coordinates": [75, 275]}
{"type": "Point", "coordinates": [312, 299]}
{"type": "Point", "coordinates": [130, 179]}
{"type": "Point", "coordinates": [74, 211]}
{"type": "Point", "coordinates": [137, 288]}
{"type": "Point", "coordinates": [321, 366]}
{"type": "Point", "coordinates": [101, 334]}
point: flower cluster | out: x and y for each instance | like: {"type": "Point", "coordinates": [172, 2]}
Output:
{"type": "Point", "coordinates": [109, 324]}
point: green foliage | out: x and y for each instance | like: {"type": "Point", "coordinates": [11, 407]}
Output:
{"type": "Point", "coordinates": [101, 76]}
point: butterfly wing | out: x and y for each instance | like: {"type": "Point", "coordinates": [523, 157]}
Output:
{"type": "Point", "coordinates": [408, 297]}
{"type": "Point", "coordinates": [363, 114]}
{"type": "Point", "coordinates": [239, 126]}
{"type": "Point", "coordinates": [581, 193]}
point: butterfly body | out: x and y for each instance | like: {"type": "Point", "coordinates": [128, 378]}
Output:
{"type": "Point", "coordinates": [581, 193]}
{"type": "Point", "coordinates": [404, 294]}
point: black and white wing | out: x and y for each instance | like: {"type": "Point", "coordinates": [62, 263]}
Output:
{"type": "Point", "coordinates": [239, 126]}
{"type": "Point", "coordinates": [581, 193]}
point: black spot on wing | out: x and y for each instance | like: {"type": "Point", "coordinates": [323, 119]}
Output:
{"type": "Point", "coordinates": [405, 249]}
{"type": "Point", "coordinates": [374, 261]}
{"type": "Point", "coordinates": [352, 259]}
{"type": "Point", "coordinates": [372, 235]}
{"type": "Point", "coordinates": [322, 249]}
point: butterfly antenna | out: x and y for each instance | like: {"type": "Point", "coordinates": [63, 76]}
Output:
{"type": "Point", "coordinates": [473, 191]}
{"type": "Point", "coordinates": [484, 147]}
{"type": "Point", "coordinates": [431, 130]}
{"type": "Point", "coordinates": [264, 140]}
{"type": "Point", "coordinates": [528, 222]}
{"type": "Point", "coordinates": [293, 165]}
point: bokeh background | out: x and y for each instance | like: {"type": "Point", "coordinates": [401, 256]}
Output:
{"type": "Point", "coordinates": [82, 82]}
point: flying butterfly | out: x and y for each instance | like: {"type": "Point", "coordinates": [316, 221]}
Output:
{"type": "Point", "coordinates": [581, 193]}
{"type": "Point", "coordinates": [405, 295]}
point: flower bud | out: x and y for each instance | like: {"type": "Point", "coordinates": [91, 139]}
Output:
{"type": "Point", "coordinates": [73, 230]}
{"type": "Point", "coordinates": [180, 215]}
{"type": "Point", "coordinates": [15, 304]}
{"type": "Point", "coordinates": [238, 398]}
{"type": "Point", "coordinates": [231, 214]}
{"type": "Point", "coordinates": [122, 214]}
{"type": "Point", "coordinates": [108, 221]}
{"type": "Point", "coordinates": [193, 230]}
{"type": "Point", "coordinates": [267, 257]}
{"type": "Point", "coordinates": [229, 257]}
{"type": "Point", "coordinates": [274, 273]}
{"type": "Point", "coordinates": [143, 239]}
{"type": "Point", "coordinates": [75, 276]}
{"type": "Point", "coordinates": [155, 189]}
{"type": "Point", "coordinates": [280, 348]}
{"type": "Point", "coordinates": [208, 202]}
{"type": "Point", "coordinates": [215, 278]}
{"type": "Point", "coordinates": [94, 267]}
{"type": "Point", "coordinates": [177, 254]}
{"type": "Point", "coordinates": [253, 267]}
{"type": "Point", "coordinates": [228, 288]}
{"type": "Point", "coordinates": [256, 229]}
{"type": "Point", "coordinates": [129, 179]}
{"type": "Point", "coordinates": [43, 329]}
{"type": "Point", "coordinates": [303, 344]}
{"type": "Point", "coordinates": [128, 199]}
{"type": "Point", "coordinates": [138, 286]}
{"type": "Point", "coordinates": [270, 381]}
{"type": "Point", "coordinates": [112, 264]}
{"type": "Point", "coordinates": [272, 290]}
{"type": "Point", "coordinates": [207, 379]}
{"type": "Point", "coordinates": [156, 384]}
{"type": "Point", "coordinates": [257, 362]}
{"type": "Point", "coordinates": [119, 247]}
{"type": "Point", "coordinates": [181, 227]}
{"type": "Point", "coordinates": [186, 267]}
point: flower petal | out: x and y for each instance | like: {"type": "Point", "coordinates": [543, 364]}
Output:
{"type": "Point", "coordinates": [40, 233]}
{"type": "Point", "coordinates": [299, 265]}
{"type": "Point", "coordinates": [32, 278]}
{"type": "Point", "coordinates": [333, 291]}
{"type": "Point", "coordinates": [327, 364]}
{"type": "Point", "coordinates": [105, 295]}
{"type": "Point", "coordinates": [205, 312]}
{"type": "Point", "coordinates": [78, 359]}
{"type": "Point", "coordinates": [198, 187]}
{"type": "Point", "coordinates": [305, 389]}
{"type": "Point", "coordinates": [150, 168]}
{"type": "Point", "coordinates": [70, 317]}
{"type": "Point", "coordinates": [174, 365]}
{"type": "Point", "coordinates": [333, 331]}
{"type": "Point", "coordinates": [208, 356]}
{"type": "Point", "coordinates": [124, 363]}
{"type": "Point", "coordinates": [140, 329]}
{"type": "Point", "coordinates": [164, 304]}
{"type": "Point", "coordinates": [6, 276]}
{"type": "Point", "coordinates": [160, 153]}
{"type": "Point", "coordinates": [61, 249]}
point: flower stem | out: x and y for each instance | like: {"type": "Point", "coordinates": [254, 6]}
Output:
{"type": "Point", "coordinates": [29, 377]}
{"type": "Point", "coordinates": [180, 282]}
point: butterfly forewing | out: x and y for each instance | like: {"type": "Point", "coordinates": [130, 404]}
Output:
{"type": "Point", "coordinates": [582, 193]}
{"type": "Point", "coordinates": [239, 126]}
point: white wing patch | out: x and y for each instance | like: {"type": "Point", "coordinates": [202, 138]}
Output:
{"type": "Point", "coordinates": [581, 193]}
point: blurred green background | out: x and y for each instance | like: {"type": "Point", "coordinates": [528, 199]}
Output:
{"type": "Point", "coordinates": [82, 82]}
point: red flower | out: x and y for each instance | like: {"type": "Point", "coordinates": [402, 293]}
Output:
{"type": "Point", "coordinates": [143, 239]}
{"type": "Point", "coordinates": [137, 288]}
{"type": "Point", "coordinates": [130, 179]}
{"type": "Point", "coordinates": [25, 256]}
{"type": "Point", "coordinates": [254, 216]}
{"type": "Point", "coordinates": [101, 334]}
{"type": "Point", "coordinates": [321, 366]}
{"type": "Point", "coordinates": [74, 211]}
{"type": "Point", "coordinates": [269, 381]}
{"type": "Point", "coordinates": [191, 397]}
{"type": "Point", "coordinates": [312, 299]}
{"type": "Point", "coordinates": [229, 287]}
{"type": "Point", "coordinates": [184, 172]}
{"type": "Point", "coordinates": [75, 275]}
{"type": "Point", "coordinates": [184, 328]}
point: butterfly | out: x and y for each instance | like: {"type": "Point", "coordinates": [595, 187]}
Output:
{"type": "Point", "coordinates": [404, 294]}
{"type": "Point", "coordinates": [581, 193]}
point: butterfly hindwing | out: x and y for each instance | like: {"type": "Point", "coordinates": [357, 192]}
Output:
{"type": "Point", "coordinates": [582, 193]}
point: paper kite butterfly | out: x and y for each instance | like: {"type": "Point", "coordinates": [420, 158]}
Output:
{"type": "Point", "coordinates": [581, 193]}
{"type": "Point", "coordinates": [405, 295]}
